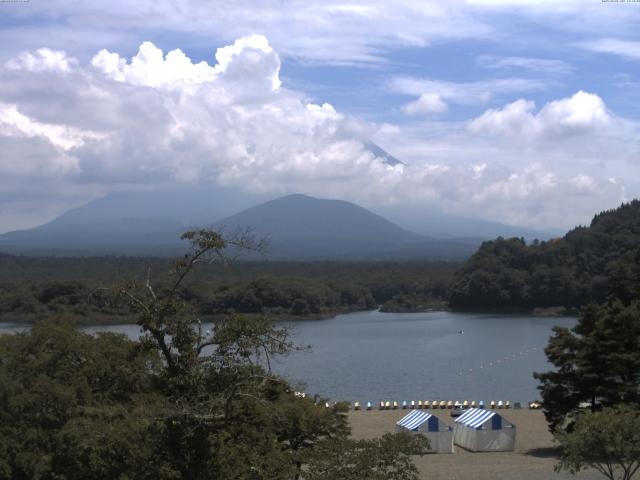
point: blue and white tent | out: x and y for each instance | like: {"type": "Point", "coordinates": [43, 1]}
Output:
{"type": "Point", "coordinates": [482, 430]}
{"type": "Point", "coordinates": [422, 423]}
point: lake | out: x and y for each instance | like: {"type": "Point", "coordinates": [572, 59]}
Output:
{"type": "Point", "coordinates": [370, 356]}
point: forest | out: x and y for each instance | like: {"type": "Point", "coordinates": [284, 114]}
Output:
{"type": "Point", "coordinates": [34, 288]}
{"type": "Point", "coordinates": [585, 266]}
{"type": "Point", "coordinates": [179, 403]}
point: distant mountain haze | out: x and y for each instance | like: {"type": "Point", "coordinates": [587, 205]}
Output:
{"type": "Point", "coordinates": [426, 221]}
{"type": "Point", "coordinates": [181, 207]}
{"type": "Point", "coordinates": [303, 227]}
{"type": "Point", "coordinates": [302, 215]}
{"type": "Point", "coordinates": [130, 223]}
{"type": "Point", "coordinates": [300, 227]}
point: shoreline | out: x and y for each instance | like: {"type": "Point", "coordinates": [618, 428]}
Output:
{"type": "Point", "coordinates": [551, 312]}
{"type": "Point", "coordinates": [281, 318]}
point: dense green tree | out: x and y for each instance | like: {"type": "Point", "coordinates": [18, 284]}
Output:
{"type": "Point", "coordinates": [218, 425]}
{"type": "Point", "coordinates": [301, 424]}
{"type": "Point", "coordinates": [57, 385]}
{"type": "Point", "coordinates": [596, 362]}
{"type": "Point", "coordinates": [607, 441]}
{"type": "Point", "coordinates": [34, 288]}
{"type": "Point", "coordinates": [183, 402]}
{"type": "Point", "coordinates": [286, 296]}
{"type": "Point", "coordinates": [384, 458]}
{"type": "Point", "coordinates": [413, 302]}
{"type": "Point", "coordinates": [586, 265]}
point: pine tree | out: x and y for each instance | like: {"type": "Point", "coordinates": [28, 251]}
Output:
{"type": "Point", "coordinates": [597, 362]}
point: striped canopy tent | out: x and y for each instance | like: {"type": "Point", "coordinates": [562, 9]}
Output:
{"type": "Point", "coordinates": [482, 430]}
{"type": "Point", "coordinates": [439, 434]}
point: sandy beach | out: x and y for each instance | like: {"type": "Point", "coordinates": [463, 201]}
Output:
{"type": "Point", "coordinates": [533, 458]}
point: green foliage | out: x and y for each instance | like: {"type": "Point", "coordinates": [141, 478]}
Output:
{"type": "Point", "coordinates": [412, 302]}
{"type": "Point", "coordinates": [607, 441]}
{"type": "Point", "coordinates": [57, 384]}
{"type": "Point", "coordinates": [587, 265]}
{"type": "Point", "coordinates": [182, 403]}
{"type": "Point", "coordinates": [385, 458]}
{"type": "Point", "coordinates": [281, 296]}
{"type": "Point", "coordinates": [301, 424]}
{"type": "Point", "coordinates": [597, 362]}
{"type": "Point", "coordinates": [34, 288]}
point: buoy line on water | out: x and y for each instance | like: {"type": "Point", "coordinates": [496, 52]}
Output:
{"type": "Point", "coordinates": [499, 362]}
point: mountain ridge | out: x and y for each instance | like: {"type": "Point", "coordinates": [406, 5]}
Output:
{"type": "Point", "coordinates": [301, 228]}
{"type": "Point", "coordinates": [304, 227]}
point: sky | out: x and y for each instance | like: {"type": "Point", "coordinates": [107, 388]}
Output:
{"type": "Point", "coordinates": [522, 112]}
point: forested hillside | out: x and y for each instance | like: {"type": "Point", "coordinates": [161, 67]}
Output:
{"type": "Point", "coordinates": [35, 288]}
{"type": "Point", "coordinates": [584, 266]}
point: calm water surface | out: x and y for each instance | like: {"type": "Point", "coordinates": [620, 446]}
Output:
{"type": "Point", "coordinates": [373, 356]}
{"type": "Point", "coordinates": [370, 356]}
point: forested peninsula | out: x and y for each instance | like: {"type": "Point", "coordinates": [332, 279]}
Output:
{"type": "Point", "coordinates": [587, 265]}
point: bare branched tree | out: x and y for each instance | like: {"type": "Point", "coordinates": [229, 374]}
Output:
{"type": "Point", "coordinates": [232, 359]}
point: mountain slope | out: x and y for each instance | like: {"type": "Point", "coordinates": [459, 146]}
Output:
{"type": "Point", "coordinates": [304, 227]}
{"type": "Point", "coordinates": [300, 228]}
{"type": "Point", "coordinates": [135, 223]}
{"type": "Point", "coordinates": [315, 218]}
{"type": "Point", "coordinates": [585, 265]}
{"type": "Point", "coordinates": [381, 153]}
{"type": "Point", "coordinates": [434, 223]}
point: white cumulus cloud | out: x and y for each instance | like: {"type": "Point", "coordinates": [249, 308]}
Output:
{"type": "Point", "coordinates": [160, 117]}
{"type": "Point", "coordinates": [42, 60]}
{"type": "Point", "coordinates": [81, 130]}
{"type": "Point", "coordinates": [426, 103]}
{"type": "Point", "coordinates": [582, 112]}
{"type": "Point", "coordinates": [14, 123]}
